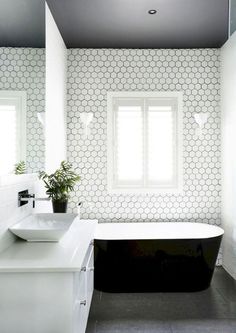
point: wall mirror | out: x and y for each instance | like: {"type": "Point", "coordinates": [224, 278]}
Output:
{"type": "Point", "coordinates": [22, 84]}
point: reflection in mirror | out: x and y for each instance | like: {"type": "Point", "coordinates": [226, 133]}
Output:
{"type": "Point", "coordinates": [12, 129]}
{"type": "Point", "coordinates": [22, 84]}
{"type": "Point", "coordinates": [232, 16]}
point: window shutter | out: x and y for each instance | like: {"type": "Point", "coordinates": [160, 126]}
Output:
{"type": "Point", "coordinates": [161, 143]}
{"type": "Point", "coordinates": [129, 142]}
{"type": "Point", "coordinates": [8, 136]}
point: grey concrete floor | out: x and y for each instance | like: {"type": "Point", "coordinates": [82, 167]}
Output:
{"type": "Point", "coordinates": [212, 310]}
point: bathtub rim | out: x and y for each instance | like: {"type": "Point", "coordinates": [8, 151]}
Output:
{"type": "Point", "coordinates": [166, 232]}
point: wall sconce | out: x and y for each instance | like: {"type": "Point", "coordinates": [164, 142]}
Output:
{"type": "Point", "coordinates": [86, 118]}
{"type": "Point", "coordinates": [41, 117]}
{"type": "Point", "coordinates": [201, 119]}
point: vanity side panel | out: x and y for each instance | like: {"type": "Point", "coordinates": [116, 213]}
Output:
{"type": "Point", "coordinates": [36, 302]}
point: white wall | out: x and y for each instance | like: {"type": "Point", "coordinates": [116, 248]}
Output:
{"type": "Point", "coordinates": [10, 213]}
{"type": "Point", "coordinates": [228, 106]}
{"type": "Point", "coordinates": [56, 68]}
{"type": "Point", "coordinates": [195, 72]}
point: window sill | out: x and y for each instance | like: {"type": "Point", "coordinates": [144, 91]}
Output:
{"type": "Point", "coordinates": [148, 191]}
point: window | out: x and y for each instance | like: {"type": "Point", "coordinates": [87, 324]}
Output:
{"type": "Point", "coordinates": [144, 141]}
{"type": "Point", "coordinates": [12, 129]}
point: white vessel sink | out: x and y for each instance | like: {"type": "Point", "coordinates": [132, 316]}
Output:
{"type": "Point", "coordinates": [43, 227]}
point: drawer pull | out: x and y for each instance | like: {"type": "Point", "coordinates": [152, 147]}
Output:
{"type": "Point", "coordinates": [83, 302]}
{"type": "Point", "coordinates": [83, 269]}
{"type": "Point", "coordinates": [91, 269]}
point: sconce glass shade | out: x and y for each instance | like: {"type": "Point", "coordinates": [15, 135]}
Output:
{"type": "Point", "coordinates": [41, 117]}
{"type": "Point", "coordinates": [86, 118]}
{"type": "Point", "coordinates": [201, 119]}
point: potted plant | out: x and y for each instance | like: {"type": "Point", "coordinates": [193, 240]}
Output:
{"type": "Point", "coordinates": [59, 184]}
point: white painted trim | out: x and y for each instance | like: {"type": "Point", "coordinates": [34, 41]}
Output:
{"type": "Point", "coordinates": [179, 133]}
{"type": "Point", "coordinates": [144, 94]}
{"type": "Point", "coordinates": [229, 18]}
{"type": "Point", "coordinates": [145, 191]}
{"type": "Point", "coordinates": [22, 139]}
{"type": "Point", "coordinates": [111, 143]}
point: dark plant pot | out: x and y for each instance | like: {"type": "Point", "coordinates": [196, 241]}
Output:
{"type": "Point", "coordinates": [59, 206]}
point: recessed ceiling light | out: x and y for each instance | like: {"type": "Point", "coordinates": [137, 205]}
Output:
{"type": "Point", "coordinates": [152, 11]}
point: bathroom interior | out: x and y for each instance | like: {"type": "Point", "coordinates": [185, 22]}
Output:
{"type": "Point", "coordinates": [117, 169]}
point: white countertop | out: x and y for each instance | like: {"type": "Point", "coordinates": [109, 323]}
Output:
{"type": "Point", "coordinates": [66, 255]}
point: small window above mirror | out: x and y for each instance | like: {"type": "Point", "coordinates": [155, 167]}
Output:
{"type": "Point", "coordinates": [12, 129]}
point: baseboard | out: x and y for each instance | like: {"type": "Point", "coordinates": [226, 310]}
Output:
{"type": "Point", "coordinates": [231, 272]}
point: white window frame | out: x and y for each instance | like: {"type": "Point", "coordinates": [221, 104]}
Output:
{"type": "Point", "coordinates": [111, 141]}
{"type": "Point", "coordinates": [20, 98]}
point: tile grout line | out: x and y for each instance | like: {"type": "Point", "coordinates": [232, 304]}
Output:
{"type": "Point", "coordinates": [221, 295]}
{"type": "Point", "coordinates": [95, 326]}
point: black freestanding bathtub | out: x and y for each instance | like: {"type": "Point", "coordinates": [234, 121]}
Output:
{"type": "Point", "coordinates": [155, 257]}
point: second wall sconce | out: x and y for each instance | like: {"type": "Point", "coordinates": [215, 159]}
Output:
{"type": "Point", "coordinates": [41, 117]}
{"type": "Point", "coordinates": [201, 119]}
{"type": "Point", "coordinates": [86, 118]}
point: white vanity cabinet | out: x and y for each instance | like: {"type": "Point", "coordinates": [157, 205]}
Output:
{"type": "Point", "coordinates": [83, 286]}
{"type": "Point", "coordinates": [46, 287]}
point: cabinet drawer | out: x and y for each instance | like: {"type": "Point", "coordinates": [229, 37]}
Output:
{"type": "Point", "coordinates": [79, 285]}
{"type": "Point", "coordinates": [81, 278]}
{"type": "Point", "coordinates": [87, 255]}
{"type": "Point", "coordinates": [90, 279]}
{"type": "Point", "coordinates": [83, 287]}
{"type": "Point", "coordinates": [80, 316]}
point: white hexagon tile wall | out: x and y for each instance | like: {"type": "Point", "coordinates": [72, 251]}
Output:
{"type": "Point", "coordinates": [94, 72]}
{"type": "Point", "coordinates": [23, 69]}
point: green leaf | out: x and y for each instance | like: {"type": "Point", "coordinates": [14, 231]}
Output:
{"type": "Point", "coordinates": [20, 168]}
{"type": "Point", "coordinates": [61, 182]}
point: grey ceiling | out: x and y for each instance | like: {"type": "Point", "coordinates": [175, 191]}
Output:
{"type": "Point", "coordinates": [126, 23]}
{"type": "Point", "coordinates": [22, 23]}
{"type": "Point", "coordinates": [117, 23]}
